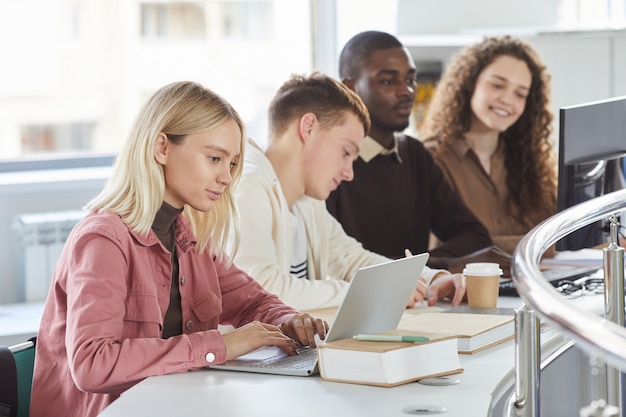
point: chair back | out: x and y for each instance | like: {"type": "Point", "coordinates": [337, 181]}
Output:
{"type": "Point", "coordinates": [16, 377]}
{"type": "Point", "coordinates": [8, 383]}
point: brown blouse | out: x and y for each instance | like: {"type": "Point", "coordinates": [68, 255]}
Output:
{"type": "Point", "coordinates": [485, 194]}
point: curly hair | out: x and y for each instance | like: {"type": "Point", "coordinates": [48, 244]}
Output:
{"type": "Point", "coordinates": [531, 173]}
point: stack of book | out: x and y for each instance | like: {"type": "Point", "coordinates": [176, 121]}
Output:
{"type": "Point", "coordinates": [391, 363]}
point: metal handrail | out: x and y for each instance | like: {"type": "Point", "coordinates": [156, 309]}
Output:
{"type": "Point", "coordinates": [594, 334]}
{"type": "Point", "coordinates": [587, 329]}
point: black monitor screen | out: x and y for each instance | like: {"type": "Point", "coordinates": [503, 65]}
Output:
{"type": "Point", "coordinates": [592, 145]}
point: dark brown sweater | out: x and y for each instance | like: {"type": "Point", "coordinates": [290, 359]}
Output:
{"type": "Point", "coordinates": [163, 227]}
{"type": "Point", "coordinates": [390, 206]}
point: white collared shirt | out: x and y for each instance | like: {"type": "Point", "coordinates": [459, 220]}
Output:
{"type": "Point", "coordinates": [370, 148]}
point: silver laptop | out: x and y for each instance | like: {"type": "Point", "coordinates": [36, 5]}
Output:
{"type": "Point", "coordinates": [374, 302]}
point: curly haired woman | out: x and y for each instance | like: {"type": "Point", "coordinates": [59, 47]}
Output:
{"type": "Point", "coordinates": [489, 127]}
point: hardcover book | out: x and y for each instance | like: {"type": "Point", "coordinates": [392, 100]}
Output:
{"type": "Point", "coordinates": [388, 364]}
{"type": "Point", "coordinates": [474, 332]}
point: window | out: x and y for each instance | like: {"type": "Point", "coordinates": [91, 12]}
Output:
{"type": "Point", "coordinates": [79, 70]}
{"type": "Point", "coordinates": [65, 138]}
{"type": "Point", "coordinates": [173, 21]}
{"type": "Point", "coordinates": [246, 20]}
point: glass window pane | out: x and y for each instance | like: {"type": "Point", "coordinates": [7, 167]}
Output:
{"type": "Point", "coordinates": [247, 20]}
{"type": "Point", "coordinates": [57, 138]}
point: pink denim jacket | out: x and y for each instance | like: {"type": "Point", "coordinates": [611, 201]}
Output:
{"type": "Point", "coordinates": [101, 328]}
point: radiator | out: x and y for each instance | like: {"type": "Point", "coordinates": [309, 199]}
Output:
{"type": "Point", "coordinates": [40, 238]}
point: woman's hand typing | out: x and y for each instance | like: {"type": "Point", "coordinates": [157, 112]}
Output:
{"type": "Point", "coordinates": [303, 328]}
{"type": "Point", "coordinates": [298, 331]}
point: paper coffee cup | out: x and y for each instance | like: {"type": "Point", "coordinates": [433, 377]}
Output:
{"type": "Point", "coordinates": [482, 280]}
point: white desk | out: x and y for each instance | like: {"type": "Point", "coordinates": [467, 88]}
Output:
{"type": "Point", "coordinates": [487, 376]}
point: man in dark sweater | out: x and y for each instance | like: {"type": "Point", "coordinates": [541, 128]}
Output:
{"type": "Point", "coordinates": [399, 195]}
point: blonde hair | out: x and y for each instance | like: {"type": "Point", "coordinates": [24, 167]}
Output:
{"type": "Point", "coordinates": [136, 188]}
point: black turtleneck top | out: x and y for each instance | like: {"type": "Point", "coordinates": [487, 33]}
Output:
{"type": "Point", "coordinates": [164, 226]}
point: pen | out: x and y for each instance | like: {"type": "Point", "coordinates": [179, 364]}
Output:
{"type": "Point", "coordinates": [390, 338]}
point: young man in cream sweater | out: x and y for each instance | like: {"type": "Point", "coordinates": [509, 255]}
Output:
{"type": "Point", "coordinates": [289, 241]}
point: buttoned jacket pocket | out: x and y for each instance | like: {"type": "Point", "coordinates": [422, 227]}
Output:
{"type": "Point", "coordinates": [143, 316]}
{"type": "Point", "coordinates": [207, 309]}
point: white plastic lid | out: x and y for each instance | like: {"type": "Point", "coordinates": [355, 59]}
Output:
{"type": "Point", "coordinates": [482, 269]}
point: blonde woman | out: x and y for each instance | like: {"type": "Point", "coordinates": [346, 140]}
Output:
{"type": "Point", "coordinates": [144, 280]}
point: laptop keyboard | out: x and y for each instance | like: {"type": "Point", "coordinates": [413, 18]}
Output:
{"type": "Point", "coordinates": [305, 359]}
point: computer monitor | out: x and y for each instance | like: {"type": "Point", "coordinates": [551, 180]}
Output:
{"type": "Point", "coordinates": [592, 146]}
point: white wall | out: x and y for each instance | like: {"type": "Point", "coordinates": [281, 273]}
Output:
{"type": "Point", "coordinates": [457, 16]}
{"type": "Point", "coordinates": [354, 16]}
{"type": "Point", "coordinates": [582, 65]}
